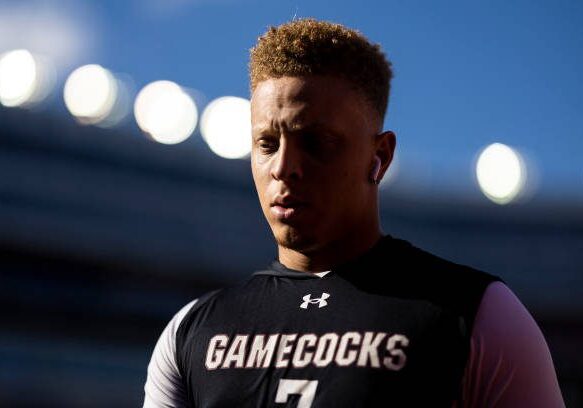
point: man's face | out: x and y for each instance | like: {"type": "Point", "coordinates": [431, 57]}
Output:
{"type": "Point", "coordinates": [313, 148]}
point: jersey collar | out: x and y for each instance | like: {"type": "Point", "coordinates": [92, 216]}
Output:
{"type": "Point", "coordinates": [369, 258]}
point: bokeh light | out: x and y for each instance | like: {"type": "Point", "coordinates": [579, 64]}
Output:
{"type": "Point", "coordinates": [226, 127]}
{"type": "Point", "coordinates": [122, 104]}
{"type": "Point", "coordinates": [501, 173]}
{"type": "Point", "coordinates": [18, 78]}
{"type": "Point", "coordinates": [165, 112]}
{"type": "Point", "coordinates": [90, 93]}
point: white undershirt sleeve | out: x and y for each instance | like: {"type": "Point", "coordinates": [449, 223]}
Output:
{"type": "Point", "coordinates": [510, 364]}
{"type": "Point", "coordinates": [164, 387]}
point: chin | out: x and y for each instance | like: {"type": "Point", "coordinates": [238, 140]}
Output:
{"type": "Point", "coordinates": [294, 238]}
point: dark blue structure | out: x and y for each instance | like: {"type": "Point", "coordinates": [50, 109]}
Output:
{"type": "Point", "coordinates": [104, 235]}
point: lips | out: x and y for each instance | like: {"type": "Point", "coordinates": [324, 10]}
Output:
{"type": "Point", "coordinates": [286, 201]}
{"type": "Point", "coordinates": [286, 207]}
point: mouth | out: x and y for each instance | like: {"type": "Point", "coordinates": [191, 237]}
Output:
{"type": "Point", "coordinates": [285, 213]}
{"type": "Point", "coordinates": [286, 207]}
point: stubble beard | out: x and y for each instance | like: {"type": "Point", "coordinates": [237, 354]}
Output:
{"type": "Point", "coordinates": [291, 238]}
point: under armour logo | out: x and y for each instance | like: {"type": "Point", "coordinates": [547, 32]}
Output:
{"type": "Point", "coordinates": [321, 301]}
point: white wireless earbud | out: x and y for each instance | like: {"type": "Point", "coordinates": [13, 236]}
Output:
{"type": "Point", "coordinates": [374, 175]}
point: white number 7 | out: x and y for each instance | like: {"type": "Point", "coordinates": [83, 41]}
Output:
{"type": "Point", "coordinates": [306, 388]}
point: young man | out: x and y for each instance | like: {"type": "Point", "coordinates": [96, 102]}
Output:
{"type": "Point", "coordinates": [347, 316]}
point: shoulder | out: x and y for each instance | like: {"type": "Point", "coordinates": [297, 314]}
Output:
{"type": "Point", "coordinates": [434, 267]}
{"type": "Point", "coordinates": [510, 334]}
{"type": "Point", "coordinates": [397, 268]}
{"type": "Point", "coordinates": [164, 386]}
{"type": "Point", "coordinates": [221, 303]}
{"type": "Point", "coordinates": [223, 298]}
{"type": "Point", "coordinates": [457, 287]}
{"type": "Point", "coordinates": [508, 354]}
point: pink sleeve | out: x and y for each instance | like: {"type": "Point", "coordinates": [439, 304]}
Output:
{"type": "Point", "coordinates": [509, 364]}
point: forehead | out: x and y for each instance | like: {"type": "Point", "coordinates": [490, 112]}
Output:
{"type": "Point", "coordinates": [296, 100]}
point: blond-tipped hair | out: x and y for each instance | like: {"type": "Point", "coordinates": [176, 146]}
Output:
{"type": "Point", "coordinates": [310, 47]}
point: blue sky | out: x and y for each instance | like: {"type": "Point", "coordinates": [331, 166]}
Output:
{"type": "Point", "coordinates": [467, 73]}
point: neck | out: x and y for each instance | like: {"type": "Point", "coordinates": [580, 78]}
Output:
{"type": "Point", "coordinates": [332, 254]}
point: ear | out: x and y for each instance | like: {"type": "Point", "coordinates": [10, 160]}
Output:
{"type": "Point", "coordinates": [385, 144]}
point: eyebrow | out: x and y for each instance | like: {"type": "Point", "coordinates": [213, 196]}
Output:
{"type": "Point", "coordinates": [316, 126]}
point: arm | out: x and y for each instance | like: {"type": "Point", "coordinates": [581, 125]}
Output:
{"type": "Point", "coordinates": [164, 387]}
{"type": "Point", "coordinates": [510, 364]}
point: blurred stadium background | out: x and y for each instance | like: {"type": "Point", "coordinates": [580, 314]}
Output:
{"type": "Point", "coordinates": [125, 187]}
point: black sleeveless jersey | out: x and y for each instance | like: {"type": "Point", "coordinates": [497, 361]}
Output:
{"type": "Point", "coordinates": [390, 328]}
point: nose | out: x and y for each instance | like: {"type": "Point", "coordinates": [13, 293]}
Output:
{"type": "Point", "coordinates": [288, 162]}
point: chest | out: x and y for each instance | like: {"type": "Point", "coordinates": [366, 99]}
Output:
{"type": "Point", "coordinates": [320, 343]}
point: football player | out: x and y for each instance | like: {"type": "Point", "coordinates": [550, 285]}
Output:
{"type": "Point", "coordinates": [347, 316]}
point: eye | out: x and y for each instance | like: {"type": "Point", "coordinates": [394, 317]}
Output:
{"type": "Point", "coordinates": [267, 146]}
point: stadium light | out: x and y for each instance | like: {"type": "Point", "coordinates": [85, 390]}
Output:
{"type": "Point", "coordinates": [226, 127]}
{"type": "Point", "coordinates": [90, 93]}
{"type": "Point", "coordinates": [501, 173]}
{"type": "Point", "coordinates": [19, 78]}
{"type": "Point", "coordinates": [165, 112]}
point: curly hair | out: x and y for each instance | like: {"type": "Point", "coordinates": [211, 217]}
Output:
{"type": "Point", "coordinates": [311, 47]}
